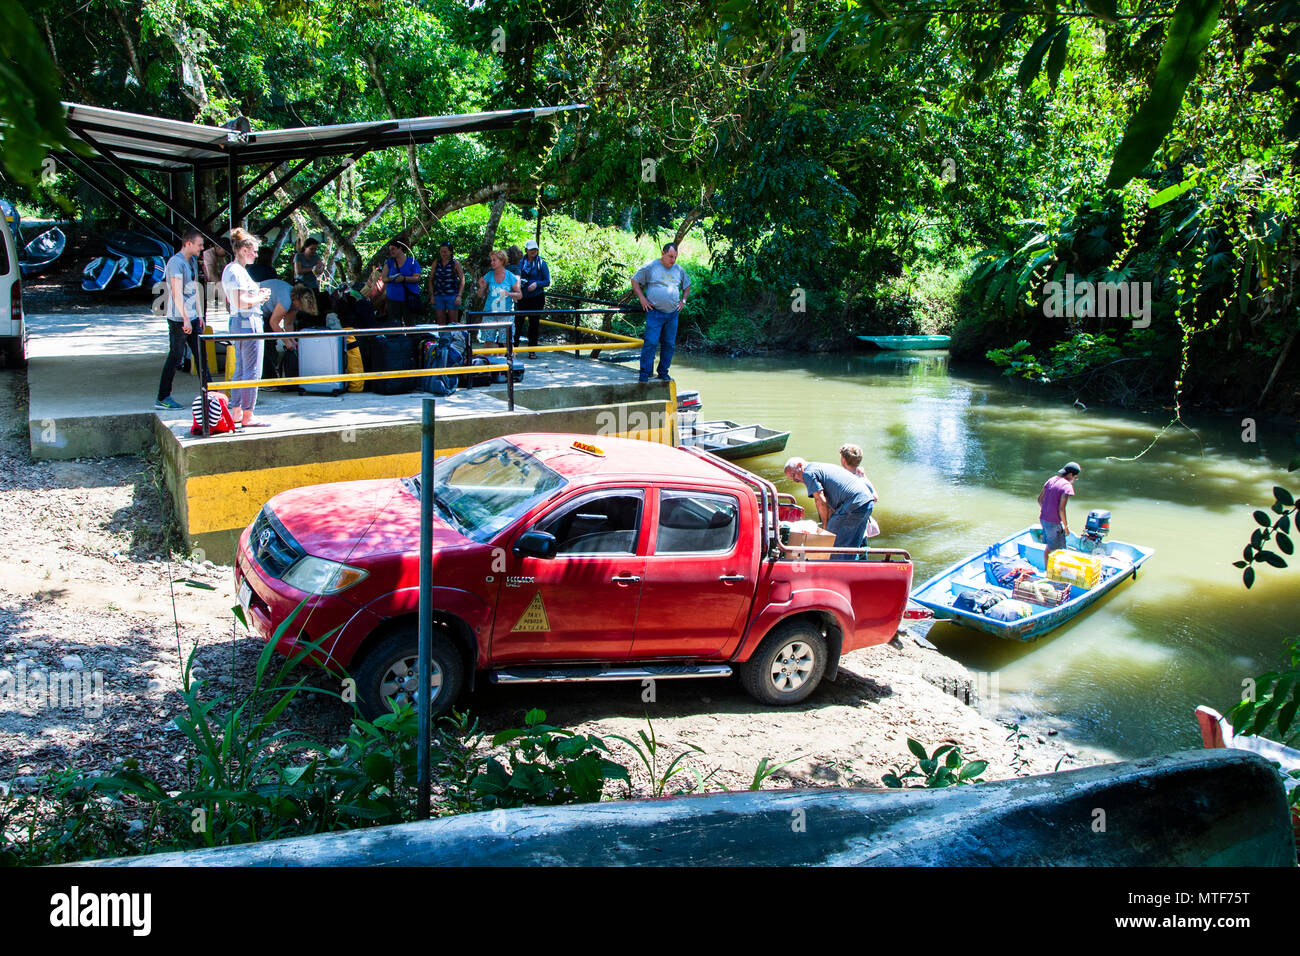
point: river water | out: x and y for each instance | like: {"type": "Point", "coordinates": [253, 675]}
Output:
{"type": "Point", "coordinates": [958, 457]}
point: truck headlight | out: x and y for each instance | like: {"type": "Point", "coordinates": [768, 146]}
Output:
{"type": "Point", "coordinates": [319, 576]}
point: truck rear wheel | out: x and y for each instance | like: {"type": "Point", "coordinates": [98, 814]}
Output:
{"type": "Point", "coordinates": [788, 664]}
{"type": "Point", "coordinates": [387, 674]}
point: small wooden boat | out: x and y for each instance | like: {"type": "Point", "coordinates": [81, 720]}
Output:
{"type": "Point", "coordinates": [733, 442]}
{"type": "Point", "coordinates": [915, 342]}
{"type": "Point", "coordinates": [1119, 562]}
{"type": "Point", "coordinates": [39, 254]}
{"type": "Point", "coordinates": [99, 273]}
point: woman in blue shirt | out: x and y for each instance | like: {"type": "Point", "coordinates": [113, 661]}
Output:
{"type": "Point", "coordinates": [500, 291]}
{"type": "Point", "coordinates": [401, 284]}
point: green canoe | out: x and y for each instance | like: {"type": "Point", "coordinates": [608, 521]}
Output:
{"type": "Point", "coordinates": [907, 341]}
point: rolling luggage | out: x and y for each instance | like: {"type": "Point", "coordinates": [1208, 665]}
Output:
{"type": "Point", "coordinates": [393, 353]}
{"type": "Point", "coordinates": [482, 379]}
{"type": "Point", "coordinates": [321, 356]}
{"type": "Point", "coordinates": [499, 378]}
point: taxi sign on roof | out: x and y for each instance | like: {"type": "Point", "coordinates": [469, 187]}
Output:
{"type": "Point", "coordinates": [589, 449]}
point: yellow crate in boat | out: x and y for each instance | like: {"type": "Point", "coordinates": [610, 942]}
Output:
{"type": "Point", "coordinates": [1072, 567]}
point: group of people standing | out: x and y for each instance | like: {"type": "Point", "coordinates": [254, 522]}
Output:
{"type": "Point", "coordinates": [515, 283]}
{"type": "Point", "coordinates": [514, 286]}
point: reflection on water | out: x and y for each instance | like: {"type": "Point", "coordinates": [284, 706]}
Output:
{"type": "Point", "coordinates": [958, 457]}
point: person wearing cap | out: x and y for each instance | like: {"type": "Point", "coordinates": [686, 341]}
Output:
{"type": "Point", "coordinates": [307, 265]}
{"type": "Point", "coordinates": [534, 277]}
{"type": "Point", "coordinates": [401, 284]}
{"type": "Point", "coordinates": [1051, 513]}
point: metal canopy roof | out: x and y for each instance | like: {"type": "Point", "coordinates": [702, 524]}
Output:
{"type": "Point", "coordinates": [174, 144]}
{"type": "Point", "coordinates": [124, 147]}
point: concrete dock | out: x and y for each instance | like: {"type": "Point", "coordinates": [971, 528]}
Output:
{"type": "Point", "coordinates": [93, 378]}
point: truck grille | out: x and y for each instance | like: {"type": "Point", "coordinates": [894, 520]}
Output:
{"type": "Point", "coordinates": [272, 546]}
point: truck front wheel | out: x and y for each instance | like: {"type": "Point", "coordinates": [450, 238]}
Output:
{"type": "Point", "coordinates": [387, 674]}
{"type": "Point", "coordinates": [788, 664]}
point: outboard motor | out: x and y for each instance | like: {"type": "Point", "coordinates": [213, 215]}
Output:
{"type": "Point", "coordinates": [688, 411]}
{"type": "Point", "coordinates": [1095, 530]}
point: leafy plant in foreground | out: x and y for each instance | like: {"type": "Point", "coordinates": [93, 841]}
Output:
{"type": "Point", "coordinates": [1272, 530]}
{"type": "Point", "coordinates": [943, 768]}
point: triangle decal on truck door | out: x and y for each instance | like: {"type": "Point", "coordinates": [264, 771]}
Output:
{"type": "Point", "coordinates": [534, 616]}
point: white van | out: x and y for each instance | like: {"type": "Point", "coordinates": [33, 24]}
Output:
{"type": "Point", "coordinates": [13, 331]}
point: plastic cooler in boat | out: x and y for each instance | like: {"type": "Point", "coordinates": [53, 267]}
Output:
{"type": "Point", "coordinates": [1071, 567]}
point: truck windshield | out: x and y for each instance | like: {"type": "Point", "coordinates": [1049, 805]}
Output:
{"type": "Point", "coordinates": [484, 488]}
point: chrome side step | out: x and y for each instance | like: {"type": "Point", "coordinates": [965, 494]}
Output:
{"type": "Point", "coordinates": [549, 675]}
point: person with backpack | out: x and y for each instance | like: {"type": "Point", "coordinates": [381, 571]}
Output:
{"type": "Point", "coordinates": [534, 277]}
{"type": "Point", "coordinates": [184, 313]}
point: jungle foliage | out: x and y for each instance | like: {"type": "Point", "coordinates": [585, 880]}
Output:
{"type": "Point", "coordinates": [851, 166]}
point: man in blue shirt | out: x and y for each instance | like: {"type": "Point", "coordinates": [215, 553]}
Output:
{"type": "Point", "coordinates": [844, 500]}
{"type": "Point", "coordinates": [534, 277]}
{"type": "Point", "coordinates": [666, 286]}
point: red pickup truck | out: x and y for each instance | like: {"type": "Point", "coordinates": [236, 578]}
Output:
{"type": "Point", "coordinates": [563, 558]}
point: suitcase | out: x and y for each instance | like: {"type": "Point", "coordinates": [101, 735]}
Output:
{"type": "Point", "coordinates": [500, 377]}
{"type": "Point", "coordinates": [321, 356]}
{"type": "Point", "coordinates": [482, 379]}
{"type": "Point", "coordinates": [393, 353]}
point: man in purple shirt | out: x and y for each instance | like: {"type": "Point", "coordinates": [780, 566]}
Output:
{"type": "Point", "coordinates": [1051, 500]}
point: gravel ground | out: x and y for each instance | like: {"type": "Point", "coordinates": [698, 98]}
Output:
{"type": "Point", "coordinates": [88, 593]}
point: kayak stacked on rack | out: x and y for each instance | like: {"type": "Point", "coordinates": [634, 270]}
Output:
{"type": "Point", "coordinates": [134, 261]}
{"type": "Point", "coordinates": [40, 253]}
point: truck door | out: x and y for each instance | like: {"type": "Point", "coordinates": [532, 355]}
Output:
{"type": "Point", "coordinates": [699, 577]}
{"type": "Point", "coordinates": [582, 603]}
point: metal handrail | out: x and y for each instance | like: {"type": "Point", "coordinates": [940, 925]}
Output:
{"type": "Point", "coordinates": [509, 366]}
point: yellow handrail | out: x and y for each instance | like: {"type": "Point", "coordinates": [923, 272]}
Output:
{"type": "Point", "coordinates": [359, 376]}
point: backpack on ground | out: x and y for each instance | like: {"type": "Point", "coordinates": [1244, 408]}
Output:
{"type": "Point", "coordinates": [440, 353]}
{"type": "Point", "coordinates": [219, 417]}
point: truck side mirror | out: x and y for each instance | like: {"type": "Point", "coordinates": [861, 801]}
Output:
{"type": "Point", "coordinates": [536, 544]}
